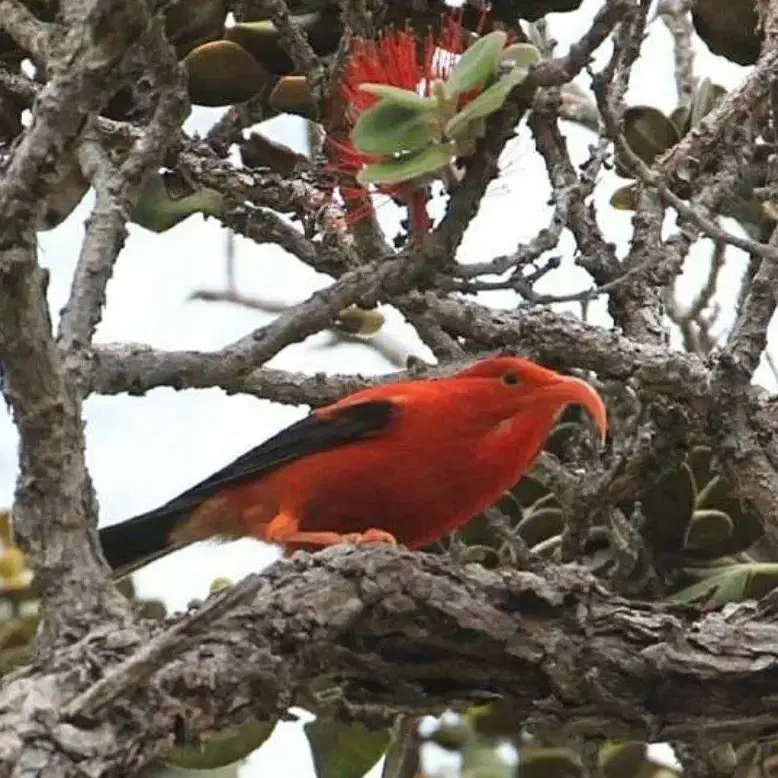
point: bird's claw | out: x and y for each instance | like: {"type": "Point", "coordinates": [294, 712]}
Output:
{"type": "Point", "coordinates": [370, 536]}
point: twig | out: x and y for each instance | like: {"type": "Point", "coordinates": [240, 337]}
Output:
{"type": "Point", "coordinates": [772, 364]}
{"type": "Point", "coordinates": [555, 72]}
{"type": "Point", "coordinates": [597, 256]}
{"type": "Point", "coordinates": [296, 44]}
{"type": "Point", "coordinates": [166, 645]}
{"type": "Point", "coordinates": [650, 177]}
{"type": "Point", "coordinates": [694, 329]}
{"type": "Point", "coordinates": [83, 67]}
{"type": "Point", "coordinates": [228, 129]}
{"type": "Point", "coordinates": [264, 226]}
{"type": "Point", "coordinates": [701, 146]}
{"type": "Point", "coordinates": [483, 167]}
{"type": "Point", "coordinates": [748, 337]}
{"type": "Point", "coordinates": [675, 16]}
{"type": "Point", "coordinates": [117, 191]}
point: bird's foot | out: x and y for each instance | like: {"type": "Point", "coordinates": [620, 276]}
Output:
{"type": "Point", "coordinates": [285, 531]}
{"type": "Point", "coordinates": [374, 535]}
{"type": "Point", "coordinates": [371, 535]}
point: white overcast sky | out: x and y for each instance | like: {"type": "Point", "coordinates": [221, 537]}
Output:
{"type": "Point", "coordinates": [142, 451]}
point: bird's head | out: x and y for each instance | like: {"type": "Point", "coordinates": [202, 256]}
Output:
{"type": "Point", "coordinates": [511, 387]}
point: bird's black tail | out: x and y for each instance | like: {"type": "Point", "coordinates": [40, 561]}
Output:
{"type": "Point", "coordinates": [135, 542]}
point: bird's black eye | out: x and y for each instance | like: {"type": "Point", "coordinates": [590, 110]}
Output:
{"type": "Point", "coordinates": [510, 378]}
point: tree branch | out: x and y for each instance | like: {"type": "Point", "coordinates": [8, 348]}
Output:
{"type": "Point", "coordinates": [565, 339]}
{"type": "Point", "coordinates": [405, 632]}
{"type": "Point", "coordinates": [54, 507]}
{"type": "Point", "coordinates": [136, 369]}
{"type": "Point", "coordinates": [27, 30]}
{"type": "Point", "coordinates": [117, 189]}
{"type": "Point", "coordinates": [549, 336]}
{"type": "Point", "coordinates": [85, 55]}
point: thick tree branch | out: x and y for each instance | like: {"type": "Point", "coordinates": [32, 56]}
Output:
{"type": "Point", "coordinates": [552, 337]}
{"type": "Point", "coordinates": [54, 507]}
{"type": "Point", "coordinates": [565, 339]}
{"type": "Point", "coordinates": [376, 281]}
{"type": "Point", "coordinates": [403, 632]}
{"type": "Point", "coordinates": [136, 369]}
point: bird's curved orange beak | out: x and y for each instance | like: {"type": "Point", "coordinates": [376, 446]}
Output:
{"type": "Point", "coordinates": [568, 390]}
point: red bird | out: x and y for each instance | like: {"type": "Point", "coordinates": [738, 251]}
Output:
{"type": "Point", "coordinates": [405, 462]}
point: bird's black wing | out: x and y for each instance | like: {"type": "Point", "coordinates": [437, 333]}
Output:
{"type": "Point", "coordinates": [307, 436]}
{"type": "Point", "coordinates": [137, 541]}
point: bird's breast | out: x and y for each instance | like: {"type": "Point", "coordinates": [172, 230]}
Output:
{"type": "Point", "coordinates": [418, 490]}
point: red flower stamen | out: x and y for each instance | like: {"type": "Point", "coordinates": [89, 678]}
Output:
{"type": "Point", "coordinates": [398, 59]}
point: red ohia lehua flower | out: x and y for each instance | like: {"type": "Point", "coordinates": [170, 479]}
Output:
{"type": "Point", "coordinates": [413, 106]}
{"type": "Point", "coordinates": [399, 59]}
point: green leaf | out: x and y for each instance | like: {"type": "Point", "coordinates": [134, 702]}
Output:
{"type": "Point", "coordinates": [489, 101]}
{"type": "Point", "coordinates": [550, 762]}
{"type": "Point", "coordinates": [629, 759]}
{"type": "Point", "coordinates": [408, 166]}
{"type": "Point", "coordinates": [622, 758]}
{"type": "Point", "coordinates": [747, 527]}
{"type": "Point", "coordinates": [389, 128]}
{"type": "Point", "coordinates": [539, 525]}
{"type": "Point", "coordinates": [486, 761]}
{"type": "Point", "coordinates": [668, 508]}
{"type": "Point", "coordinates": [649, 133]}
{"type": "Point", "coordinates": [454, 734]}
{"type": "Point", "coordinates": [734, 584]}
{"type": "Point", "coordinates": [511, 507]}
{"type": "Point", "coordinates": [708, 528]}
{"type": "Point", "coordinates": [404, 97]}
{"type": "Point", "coordinates": [477, 128]}
{"type": "Point", "coordinates": [625, 198]}
{"type": "Point", "coordinates": [231, 745]}
{"type": "Point", "coordinates": [342, 750]}
{"type": "Point", "coordinates": [166, 199]}
{"type": "Point", "coordinates": [495, 721]}
{"type": "Point", "coordinates": [680, 118]}
{"type": "Point", "coordinates": [705, 100]}
{"type": "Point", "coordinates": [523, 55]}
{"type": "Point", "coordinates": [532, 493]}
{"type": "Point", "coordinates": [477, 65]}
{"type": "Point", "coordinates": [486, 556]}
{"type": "Point", "coordinates": [174, 771]}
{"type": "Point", "coordinates": [262, 40]}
{"type": "Point", "coordinates": [404, 739]}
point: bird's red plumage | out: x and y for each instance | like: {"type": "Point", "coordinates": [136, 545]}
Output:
{"type": "Point", "coordinates": [406, 461]}
{"type": "Point", "coordinates": [451, 448]}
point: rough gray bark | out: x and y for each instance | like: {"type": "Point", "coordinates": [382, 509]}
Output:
{"type": "Point", "coordinates": [401, 631]}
